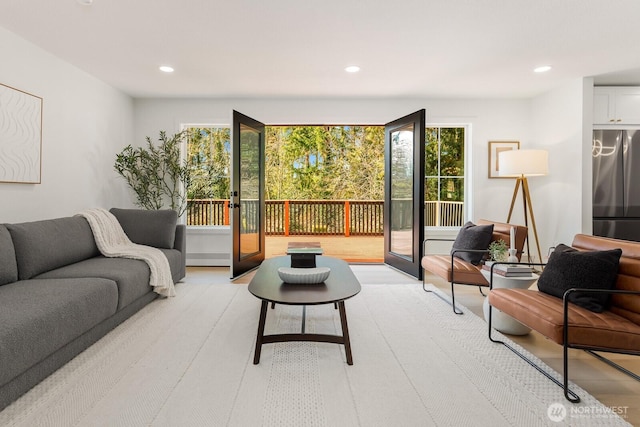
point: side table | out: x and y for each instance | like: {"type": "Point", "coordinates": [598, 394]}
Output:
{"type": "Point", "coordinates": [500, 321]}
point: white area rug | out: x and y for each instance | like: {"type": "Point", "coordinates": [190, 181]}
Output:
{"type": "Point", "coordinates": [188, 361]}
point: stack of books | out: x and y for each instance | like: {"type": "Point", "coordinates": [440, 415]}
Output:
{"type": "Point", "coordinates": [509, 270]}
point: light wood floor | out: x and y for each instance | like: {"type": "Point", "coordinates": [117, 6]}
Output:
{"type": "Point", "coordinates": [351, 249]}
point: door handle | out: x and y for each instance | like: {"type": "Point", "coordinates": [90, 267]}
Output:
{"type": "Point", "coordinates": [232, 205]}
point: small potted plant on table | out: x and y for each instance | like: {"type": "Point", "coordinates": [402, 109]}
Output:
{"type": "Point", "coordinates": [498, 250]}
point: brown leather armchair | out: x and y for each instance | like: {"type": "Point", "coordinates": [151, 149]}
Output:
{"type": "Point", "coordinates": [460, 272]}
{"type": "Point", "coordinates": [615, 330]}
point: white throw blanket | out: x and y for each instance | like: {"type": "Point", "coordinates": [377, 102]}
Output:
{"type": "Point", "coordinates": [113, 242]}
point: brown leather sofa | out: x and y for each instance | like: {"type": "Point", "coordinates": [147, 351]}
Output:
{"type": "Point", "coordinates": [460, 272]}
{"type": "Point", "coordinates": [615, 330]}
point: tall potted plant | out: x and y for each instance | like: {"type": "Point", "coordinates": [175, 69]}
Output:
{"type": "Point", "coordinates": [156, 173]}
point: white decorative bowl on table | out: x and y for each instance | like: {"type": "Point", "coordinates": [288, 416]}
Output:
{"type": "Point", "coordinates": [305, 276]}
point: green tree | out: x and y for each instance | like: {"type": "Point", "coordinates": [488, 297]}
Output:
{"type": "Point", "coordinates": [444, 164]}
{"type": "Point", "coordinates": [274, 166]}
{"type": "Point", "coordinates": [324, 162]}
{"type": "Point", "coordinates": [208, 160]}
{"type": "Point", "coordinates": [363, 164]}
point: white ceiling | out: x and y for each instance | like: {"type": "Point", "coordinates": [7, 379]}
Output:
{"type": "Point", "coordinates": [299, 48]}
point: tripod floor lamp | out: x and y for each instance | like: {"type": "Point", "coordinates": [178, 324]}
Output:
{"type": "Point", "coordinates": [521, 164]}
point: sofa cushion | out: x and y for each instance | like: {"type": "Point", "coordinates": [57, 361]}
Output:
{"type": "Point", "coordinates": [463, 272]}
{"type": "Point", "coordinates": [569, 268]}
{"type": "Point", "coordinates": [545, 314]}
{"type": "Point", "coordinates": [44, 245]}
{"type": "Point", "coordinates": [39, 317]}
{"type": "Point", "coordinates": [475, 237]}
{"type": "Point", "coordinates": [146, 227]}
{"type": "Point", "coordinates": [8, 265]}
{"type": "Point", "coordinates": [176, 263]}
{"type": "Point", "coordinates": [130, 275]}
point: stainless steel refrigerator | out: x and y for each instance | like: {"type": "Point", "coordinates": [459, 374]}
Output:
{"type": "Point", "coordinates": [616, 184]}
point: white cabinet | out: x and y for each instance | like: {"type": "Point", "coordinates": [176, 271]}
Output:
{"type": "Point", "coordinates": [616, 105]}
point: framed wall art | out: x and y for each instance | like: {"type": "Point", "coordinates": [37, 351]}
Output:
{"type": "Point", "coordinates": [20, 136]}
{"type": "Point", "coordinates": [495, 148]}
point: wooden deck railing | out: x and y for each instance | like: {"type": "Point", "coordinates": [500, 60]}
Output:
{"type": "Point", "coordinates": [207, 212]}
{"type": "Point", "coordinates": [321, 217]}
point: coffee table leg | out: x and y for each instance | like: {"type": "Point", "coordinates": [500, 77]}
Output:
{"type": "Point", "coordinates": [345, 332]}
{"type": "Point", "coordinates": [261, 322]}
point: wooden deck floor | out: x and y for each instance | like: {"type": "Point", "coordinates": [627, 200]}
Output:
{"type": "Point", "coordinates": [364, 249]}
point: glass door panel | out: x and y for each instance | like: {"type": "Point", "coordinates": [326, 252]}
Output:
{"type": "Point", "coordinates": [249, 191]}
{"type": "Point", "coordinates": [247, 194]}
{"type": "Point", "coordinates": [404, 193]}
{"type": "Point", "coordinates": [401, 209]}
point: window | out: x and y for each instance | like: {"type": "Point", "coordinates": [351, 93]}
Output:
{"type": "Point", "coordinates": [444, 176]}
{"type": "Point", "coordinates": [208, 157]}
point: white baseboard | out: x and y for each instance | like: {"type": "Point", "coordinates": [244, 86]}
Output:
{"type": "Point", "coordinates": [208, 259]}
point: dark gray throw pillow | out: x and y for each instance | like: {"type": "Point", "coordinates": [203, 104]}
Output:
{"type": "Point", "coordinates": [569, 268]}
{"type": "Point", "coordinates": [476, 237]}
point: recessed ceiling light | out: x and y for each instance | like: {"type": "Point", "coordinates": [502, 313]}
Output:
{"type": "Point", "coordinates": [352, 69]}
{"type": "Point", "coordinates": [166, 69]}
{"type": "Point", "coordinates": [542, 69]}
{"type": "Point", "coordinates": [85, 2]}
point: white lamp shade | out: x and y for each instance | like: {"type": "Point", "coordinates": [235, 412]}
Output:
{"type": "Point", "coordinates": [523, 163]}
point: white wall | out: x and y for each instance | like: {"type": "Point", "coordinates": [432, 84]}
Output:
{"type": "Point", "coordinates": [562, 123]}
{"type": "Point", "coordinates": [85, 123]}
{"type": "Point", "coordinates": [587, 155]}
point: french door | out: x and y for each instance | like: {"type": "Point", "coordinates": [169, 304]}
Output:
{"type": "Point", "coordinates": [404, 193]}
{"type": "Point", "coordinates": [247, 194]}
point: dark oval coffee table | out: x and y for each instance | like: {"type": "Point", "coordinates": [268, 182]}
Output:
{"type": "Point", "coordinates": [341, 284]}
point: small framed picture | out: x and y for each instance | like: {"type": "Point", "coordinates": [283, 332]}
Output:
{"type": "Point", "coordinates": [495, 148]}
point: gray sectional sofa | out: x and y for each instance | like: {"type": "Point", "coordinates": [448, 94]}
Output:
{"type": "Point", "coordinates": [58, 295]}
